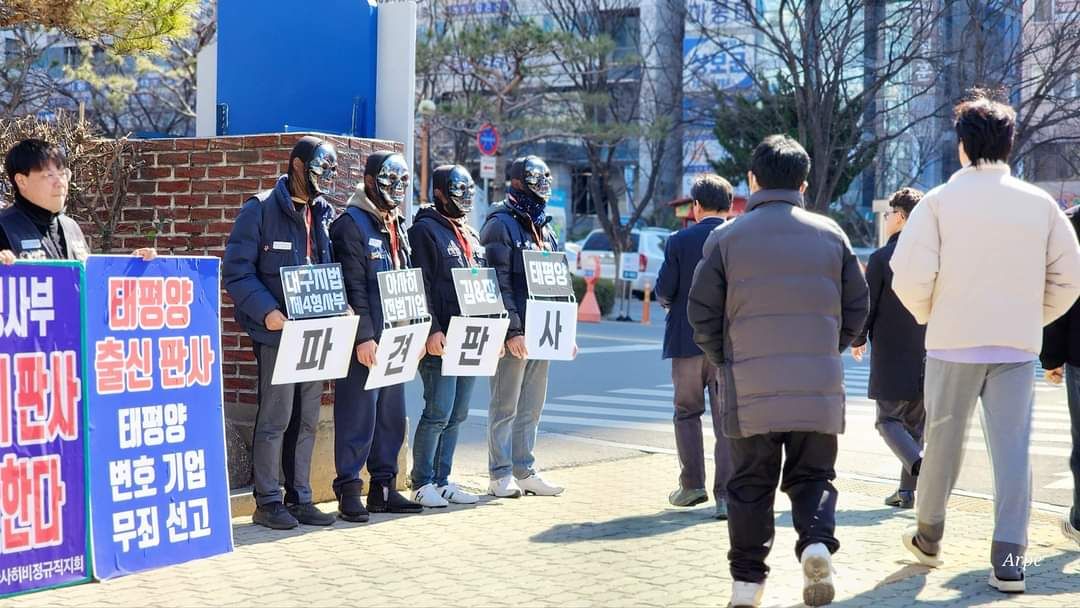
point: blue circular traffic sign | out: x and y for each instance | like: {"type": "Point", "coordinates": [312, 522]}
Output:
{"type": "Point", "coordinates": [487, 140]}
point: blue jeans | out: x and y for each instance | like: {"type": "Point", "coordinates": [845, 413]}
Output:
{"type": "Point", "coordinates": [1072, 383]}
{"type": "Point", "coordinates": [518, 390]}
{"type": "Point", "coordinates": [446, 406]}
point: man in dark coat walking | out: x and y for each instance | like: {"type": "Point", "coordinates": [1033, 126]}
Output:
{"type": "Point", "coordinates": [898, 359]}
{"type": "Point", "coordinates": [777, 298]}
{"type": "Point", "coordinates": [691, 373]}
{"type": "Point", "coordinates": [1060, 357]}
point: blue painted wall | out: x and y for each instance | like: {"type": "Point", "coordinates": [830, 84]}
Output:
{"type": "Point", "coordinates": [301, 64]}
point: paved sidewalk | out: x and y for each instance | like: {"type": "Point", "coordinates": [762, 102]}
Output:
{"type": "Point", "coordinates": [605, 542]}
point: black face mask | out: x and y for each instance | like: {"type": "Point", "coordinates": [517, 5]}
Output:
{"type": "Point", "coordinates": [392, 182]}
{"type": "Point", "coordinates": [458, 190]}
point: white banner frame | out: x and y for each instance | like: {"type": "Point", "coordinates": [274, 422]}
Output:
{"type": "Point", "coordinates": [536, 317]}
{"type": "Point", "coordinates": [377, 375]}
{"type": "Point", "coordinates": [291, 349]}
{"type": "Point", "coordinates": [455, 340]}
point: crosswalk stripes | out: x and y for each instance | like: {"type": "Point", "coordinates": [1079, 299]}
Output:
{"type": "Point", "coordinates": [649, 409]}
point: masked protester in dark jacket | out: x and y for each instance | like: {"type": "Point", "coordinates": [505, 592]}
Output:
{"type": "Point", "coordinates": [519, 385]}
{"type": "Point", "coordinates": [283, 226]}
{"type": "Point", "coordinates": [777, 298]}
{"type": "Point", "coordinates": [1060, 358]}
{"type": "Point", "coordinates": [369, 425]}
{"type": "Point", "coordinates": [442, 240]}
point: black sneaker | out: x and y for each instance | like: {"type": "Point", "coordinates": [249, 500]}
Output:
{"type": "Point", "coordinates": [275, 516]}
{"type": "Point", "coordinates": [901, 499]}
{"type": "Point", "coordinates": [309, 515]}
{"type": "Point", "coordinates": [351, 503]}
{"type": "Point", "coordinates": [384, 499]}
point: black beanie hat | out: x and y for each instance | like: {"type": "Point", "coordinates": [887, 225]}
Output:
{"type": "Point", "coordinates": [375, 162]}
{"type": "Point", "coordinates": [304, 149]}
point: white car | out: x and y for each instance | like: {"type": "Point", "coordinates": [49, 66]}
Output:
{"type": "Point", "coordinates": [648, 242]}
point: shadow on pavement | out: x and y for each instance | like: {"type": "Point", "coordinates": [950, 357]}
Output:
{"type": "Point", "coordinates": [856, 518]}
{"type": "Point", "coordinates": [1046, 579]}
{"type": "Point", "coordinates": [638, 526]}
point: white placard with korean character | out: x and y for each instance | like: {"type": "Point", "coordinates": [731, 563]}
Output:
{"type": "Point", "coordinates": [547, 274]}
{"type": "Point", "coordinates": [315, 349]}
{"type": "Point", "coordinates": [402, 295]}
{"type": "Point", "coordinates": [398, 355]}
{"type": "Point", "coordinates": [472, 346]}
{"type": "Point", "coordinates": [313, 291]}
{"type": "Point", "coordinates": [550, 330]}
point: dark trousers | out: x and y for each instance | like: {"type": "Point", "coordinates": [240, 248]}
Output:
{"type": "Point", "coordinates": [1072, 382]}
{"type": "Point", "coordinates": [900, 424]}
{"type": "Point", "coordinates": [285, 426]}
{"type": "Point", "coordinates": [809, 461]}
{"type": "Point", "coordinates": [692, 376]}
{"type": "Point", "coordinates": [369, 428]}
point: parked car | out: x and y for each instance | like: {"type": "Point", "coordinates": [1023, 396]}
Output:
{"type": "Point", "coordinates": [647, 242]}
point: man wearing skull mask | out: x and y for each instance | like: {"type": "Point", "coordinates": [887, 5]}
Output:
{"type": "Point", "coordinates": [519, 385]}
{"type": "Point", "coordinates": [369, 425]}
{"type": "Point", "coordinates": [442, 240]}
{"type": "Point", "coordinates": [284, 226]}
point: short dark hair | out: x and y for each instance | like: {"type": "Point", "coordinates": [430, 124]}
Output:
{"type": "Point", "coordinates": [712, 192]}
{"type": "Point", "coordinates": [985, 127]}
{"type": "Point", "coordinates": [780, 163]}
{"type": "Point", "coordinates": [32, 155]}
{"type": "Point", "coordinates": [905, 200]}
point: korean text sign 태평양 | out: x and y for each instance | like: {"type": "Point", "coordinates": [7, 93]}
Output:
{"type": "Point", "coordinates": [159, 493]}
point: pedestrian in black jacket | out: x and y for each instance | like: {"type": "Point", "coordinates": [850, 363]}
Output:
{"type": "Point", "coordinates": [442, 240]}
{"type": "Point", "coordinates": [898, 357]}
{"type": "Point", "coordinates": [691, 373]}
{"type": "Point", "coordinates": [283, 226]}
{"type": "Point", "coordinates": [519, 385]}
{"type": "Point", "coordinates": [1060, 358]}
{"type": "Point", "coordinates": [776, 299]}
{"type": "Point", "coordinates": [369, 425]}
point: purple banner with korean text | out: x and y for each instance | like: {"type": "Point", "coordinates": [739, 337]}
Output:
{"type": "Point", "coordinates": [44, 536]}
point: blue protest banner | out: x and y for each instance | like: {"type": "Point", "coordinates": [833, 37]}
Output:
{"type": "Point", "coordinates": [43, 501]}
{"type": "Point", "coordinates": [159, 493]}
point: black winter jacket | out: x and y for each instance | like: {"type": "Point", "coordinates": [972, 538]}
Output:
{"type": "Point", "coordinates": [436, 252]}
{"type": "Point", "coordinates": [505, 235]}
{"type": "Point", "coordinates": [1061, 339]}
{"type": "Point", "coordinates": [270, 233]}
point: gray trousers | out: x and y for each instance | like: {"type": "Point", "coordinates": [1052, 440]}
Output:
{"type": "Point", "coordinates": [276, 403]}
{"type": "Point", "coordinates": [518, 390]}
{"type": "Point", "coordinates": [1007, 392]}
{"type": "Point", "coordinates": [692, 376]}
{"type": "Point", "coordinates": [900, 424]}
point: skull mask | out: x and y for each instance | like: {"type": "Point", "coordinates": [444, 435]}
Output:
{"type": "Point", "coordinates": [321, 169]}
{"type": "Point", "coordinates": [458, 188]}
{"type": "Point", "coordinates": [537, 177]}
{"type": "Point", "coordinates": [392, 181]}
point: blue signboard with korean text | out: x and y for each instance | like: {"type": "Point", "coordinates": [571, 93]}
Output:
{"type": "Point", "coordinates": [159, 491]}
{"type": "Point", "coordinates": [43, 507]}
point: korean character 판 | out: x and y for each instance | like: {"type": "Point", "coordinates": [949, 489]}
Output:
{"type": "Point", "coordinates": [173, 358]}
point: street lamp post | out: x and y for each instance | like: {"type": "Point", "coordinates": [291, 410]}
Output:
{"type": "Point", "coordinates": [426, 109]}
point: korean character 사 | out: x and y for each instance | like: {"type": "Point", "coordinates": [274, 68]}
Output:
{"type": "Point", "coordinates": [143, 476]}
{"type": "Point", "coordinates": [175, 418]}
{"type": "Point", "coordinates": [124, 529]}
{"type": "Point", "coordinates": [153, 423]}
{"type": "Point", "coordinates": [15, 306]}
{"type": "Point", "coordinates": [120, 479]}
{"type": "Point", "coordinates": [202, 362]}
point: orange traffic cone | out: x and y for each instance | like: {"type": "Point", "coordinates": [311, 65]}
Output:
{"type": "Point", "coordinates": [589, 310]}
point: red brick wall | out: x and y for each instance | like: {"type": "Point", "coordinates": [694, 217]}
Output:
{"type": "Point", "coordinates": [184, 201]}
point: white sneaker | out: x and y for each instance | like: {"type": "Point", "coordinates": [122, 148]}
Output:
{"type": "Point", "coordinates": [927, 559]}
{"type": "Point", "coordinates": [428, 496]}
{"type": "Point", "coordinates": [535, 485]}
{"type": "Point", "coordinates": [504, 487]}
{"type": "Point", "coordinates": [456, 495]}
{"type": "Point", "coordinates": [817, 570]}
{"type": "Point", "coordinates": [745, 595]}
